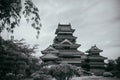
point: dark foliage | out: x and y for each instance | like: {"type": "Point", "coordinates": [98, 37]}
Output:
{"type": "Point", "coordinates": [63, 71]}
{"type": "Point", "coordinates": [15, 57]}
{"type": "Point", "coordinates": [11, 11]}
{"type": "Point", "coordinates": [113, 66]}
{"type": "Point", "coordinates": [118, 67]}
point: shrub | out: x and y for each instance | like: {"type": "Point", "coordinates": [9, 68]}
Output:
{"type": "Point", "coordinates": [10, 76]}
{"type": "Point", "coordinates": [107, 74]}
{"type": "Point", "coordinates": [20, 76]}
{"type": "Point", "coordinates": [63, 71]}
{"type": "Point", "coordinates": [40, 75]}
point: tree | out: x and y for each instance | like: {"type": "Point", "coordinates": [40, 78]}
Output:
{"type": "Point", "coordinates": [11, 11]}
{"type": "Point", "coordinates": [110, 65]}
{"type": "Point", "coordinates": [113, 66]}
{"type": "Point", "coordinates": [34, 66]}
{"type": "Point", "coordinates": [118, 67]}
{"type": "Point", "coordinates": [14, 57]}
{"type": "Point", "coordinates": [63, 71]}
{"type": "Point", "coordinates": [42, 74]}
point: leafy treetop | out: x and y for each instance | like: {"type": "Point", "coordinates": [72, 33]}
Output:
{"type": "Point", "coordinates": [11, 11]}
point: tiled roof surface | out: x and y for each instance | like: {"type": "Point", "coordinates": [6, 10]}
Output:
{"type": "Point", "coordinates": [94, 49]}
{"type": "Point", "coordinates": [70, 61]}
{"type": "Point", "coordinates": [50, 49]}
{"type": "Point", "coordinates": [70, 52]}
{"type": "Point", "coordinates": [49, 56]}
{"type": "Point", "coordinates": [71, 46]}
{"type": "Point", "coordinates": [97, 57]}
{"type": "Point", "coordinates": [64, 28]}
{"type": "Point", "coordinates": [66, 41]}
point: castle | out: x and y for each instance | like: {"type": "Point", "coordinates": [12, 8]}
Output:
{"type": "Point", "coordinates": [65, 50]}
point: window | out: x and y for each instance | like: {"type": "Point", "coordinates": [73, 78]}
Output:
{"type": "Point", "coordinates": [67, 47]}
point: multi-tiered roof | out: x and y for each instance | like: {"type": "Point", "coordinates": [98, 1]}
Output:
{"type": "Point", "coordinates": [66, 45]}
{"type": "Point", "coordinates": [94, 54]}
{"type": "Point", "coordinates": [50, 54]}
{"type": "Point", "coordinates": [96, 61]}
{"type": "Point", "coordinates": [65, 50]}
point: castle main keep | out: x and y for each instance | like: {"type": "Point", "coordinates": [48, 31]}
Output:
{"type": "Point", "coordinates": [65, 50]}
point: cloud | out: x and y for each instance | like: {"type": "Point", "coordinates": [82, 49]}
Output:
{"type": "Point", "coordinates": [96, 22]}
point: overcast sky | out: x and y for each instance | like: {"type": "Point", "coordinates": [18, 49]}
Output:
{"type": "Point", "coordinates": [95, 22]}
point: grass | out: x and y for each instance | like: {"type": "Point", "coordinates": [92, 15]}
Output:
{"type": "Point", "coordinates": [89, 78]}
{"type": "Point", "coordinates": [94, 78]}
{"type": "Point", "coordinates": [28, 79]}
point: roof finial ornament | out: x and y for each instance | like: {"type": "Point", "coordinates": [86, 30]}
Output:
{"type": "Point", "coordinates": [95, 45]}
{"type": "Point", "coordinates": [59, 23]}
{"type": "Point", "coordinates": [69, 23]}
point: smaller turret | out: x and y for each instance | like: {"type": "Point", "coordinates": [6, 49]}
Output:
{"type": "Point", "coordinates": [50, 55]}
{"type": "Point", "coordinates": [96, 61]}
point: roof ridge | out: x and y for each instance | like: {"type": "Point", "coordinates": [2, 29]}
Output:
{"type": "Point", "coordinates": [66, 40]}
